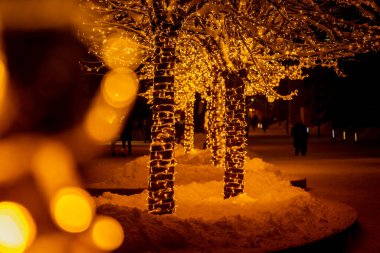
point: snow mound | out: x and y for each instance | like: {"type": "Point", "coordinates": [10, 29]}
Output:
{"type": "Point", "coordinates": [271, 215]}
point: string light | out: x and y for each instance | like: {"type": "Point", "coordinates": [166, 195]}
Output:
{"type": "Point", "coordinates": [216, 135]}
{"type": "Point", "coordinates": [269, 40]}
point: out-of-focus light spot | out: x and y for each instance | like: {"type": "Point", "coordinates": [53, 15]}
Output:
{"type": "Point", "coordinates": [7, 110]}
{"type": "Point", "coordinates": [119, 87]}
{"type": "Point", "coordinates": [3, 83]}
{"type": "Point", "coordinates": [107, 233]}
{"type": "Point", "coordinates": [72, 209]}
{"type": "Point", "coordinates": [17, 228]}
{"type": "Point", "coordinates": [333, 133]}
{"type": "Point", "coordinates": [356, 136]}
{"type": "Point", "coordinates": [344, 135]}
{"type": "Point", "coordinates": [15, 155]}
{"type": "Point", "coordinates": [54, 167]}
{"type": "Point", "coordinates": [122, 52]}
{"type": "Point", "coordinates": [52, 242]}
{"type": "Point", "coordinates": [102, 123]}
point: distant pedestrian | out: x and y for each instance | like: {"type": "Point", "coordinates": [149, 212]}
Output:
{"type": "Point", "coordinates": [126, 136]}
{"type": "Point", "coordinates": [300, 137]}
{"type": "Point", "coordinates": [264, 123]}
{"type": "Point", "coordinates": [255, 121]}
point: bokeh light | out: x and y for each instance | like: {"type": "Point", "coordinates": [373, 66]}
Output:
{"type": "Point", "coordinates": [72, 209]}
{"type": "Point", "coordinates": [17, 228]}
{"type": "Point", "coordinates": [53, 167]}
{"type": "Point", "coordinates": [118, 51]}
{"type": "Point", "coordinates": [3, 79]}
{"type": "Point", "coordinates": [102, 123]}
{"type": "Point", "coordinates": [119, 87]}
{"type": "Point", "coordinates": [15, 153]}
{"type": "Point", "coordinates": [107, 233]}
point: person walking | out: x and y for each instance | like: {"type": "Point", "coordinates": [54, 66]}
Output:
{"type": "Point", "coordinates": [126, 136]}
{"type": "Point", "coordinates": [300, 138]}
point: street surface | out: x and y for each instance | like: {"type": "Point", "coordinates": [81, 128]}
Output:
{"type": "Point", "coordinates": [341, 171]}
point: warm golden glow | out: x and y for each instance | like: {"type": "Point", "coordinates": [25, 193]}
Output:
{"type": "Point", "coordinates": [119, 87]}
{"type": "Point", "coordinates": [105, 117]}
{"type": "Point", "coordinates": [102, 123]}
{"type": "Point", "coordinates": [17, 228]}
{"type": "Point", "coordinates": [14, 163]}
{"type": "Point", "coordinates": [72, 209]}
{"type": "Point", "coordinates": [53, 167]}
{"type": "Point", "coordinates": [107, 233]}
{"type": "Point", "coordinates": [122, 52]}
{"type": "Point", "coordinates": [3, 79]}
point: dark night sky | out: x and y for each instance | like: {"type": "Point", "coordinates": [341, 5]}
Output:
{"type": "Point", "coordinates": [351, 101]}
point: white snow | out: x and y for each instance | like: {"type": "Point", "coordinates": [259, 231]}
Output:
{"type": "Point", "coordinates": [271, 215]}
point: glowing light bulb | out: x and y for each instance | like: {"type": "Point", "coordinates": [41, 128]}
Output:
{"type": "Point", "coordinates": [119, 87]}
{"type": "Point", "coordinates": [17, 228]}
{"type": "Point", "coordinates": [107, 233]}
{"type": "Point", "coordinates": [72, 209]}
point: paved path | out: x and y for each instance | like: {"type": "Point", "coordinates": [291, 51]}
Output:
{"type": "Point", "coordinates": [339, 171]}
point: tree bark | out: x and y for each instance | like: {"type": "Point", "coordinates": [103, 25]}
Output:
{"type": "Point", "coordinates": [162, 161]}
{"type": "Point", "coordinates": [217, 137]}
{"type": "Point", "coordinates": [235, 136]}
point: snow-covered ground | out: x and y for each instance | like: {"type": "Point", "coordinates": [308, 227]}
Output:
{"type": "Point", "coordinates": [271, 215]}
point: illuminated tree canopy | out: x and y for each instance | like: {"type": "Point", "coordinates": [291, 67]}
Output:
{"type": "Point", "coordinates": [242, 47]}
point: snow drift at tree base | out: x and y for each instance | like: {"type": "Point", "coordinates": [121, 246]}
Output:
{"type": "Point", "coordinates": [271, 214]}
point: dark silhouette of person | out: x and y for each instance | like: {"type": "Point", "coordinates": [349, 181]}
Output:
{"type": "Point", "coordinates": [300, 137]}
{"type": "Point", "coordinates": [254, 121]}
{"type": "Point", "coordinates": [264, 123]}
{"type": "Point", "coordinates": [125, 137]}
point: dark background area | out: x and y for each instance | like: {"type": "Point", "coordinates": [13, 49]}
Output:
{"type": "Point", "coordinates": [346, 102]}
{"type": "Point", "coordinates": [53, 92]}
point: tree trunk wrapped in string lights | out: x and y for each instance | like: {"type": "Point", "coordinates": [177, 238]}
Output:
{"type": "Point", "coordinates": [235, 136]}
{"type": "Point", "coordinates": [162, 162]}
{"type": "Point", "coordinates": [217, 139]}
{"type": "Point", "coordinates": [188, 141]}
